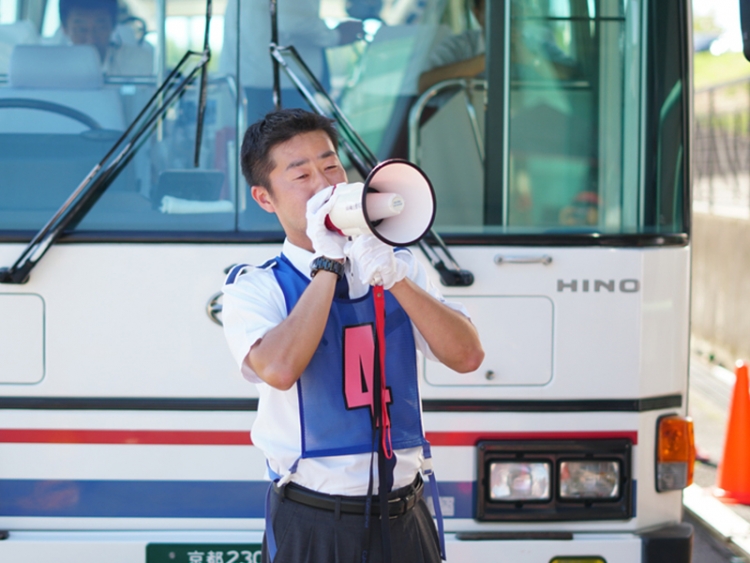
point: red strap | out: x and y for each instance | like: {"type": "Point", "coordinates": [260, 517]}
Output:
{"type": "Point", "coordinates": [379, 294]}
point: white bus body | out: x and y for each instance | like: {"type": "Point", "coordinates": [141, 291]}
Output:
{"type": "Point", "coordinates": [125, 425]}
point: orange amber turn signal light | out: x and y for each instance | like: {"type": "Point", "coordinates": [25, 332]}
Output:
{"type": "Point", "coordinates": [675, 453]}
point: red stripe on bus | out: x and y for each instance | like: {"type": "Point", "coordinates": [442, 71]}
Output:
{"type": "Point", "coordinates": [473, 438]}
{"type": "Point", "coordinates": [242, 438]}
{"type": "Point", "coordinates": [160, 437]}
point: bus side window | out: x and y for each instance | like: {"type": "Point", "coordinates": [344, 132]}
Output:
{"type": "Point", "coordinates": [551, 122]}
{"type": "Point", "coordinates": [563, 80]}
{"type": "Point", "coordinates": [449, 131]}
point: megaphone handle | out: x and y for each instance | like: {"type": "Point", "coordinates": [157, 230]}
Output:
{"type": "Point", "coordinates": [379, 296]}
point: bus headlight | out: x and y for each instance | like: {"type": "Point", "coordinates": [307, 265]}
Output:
{"type": "Point", "coordinates": [519, 481]}
{"type": "Point", "coordinates": [554, 480]}
{"type": "Point", "coordinates": [589, 479]}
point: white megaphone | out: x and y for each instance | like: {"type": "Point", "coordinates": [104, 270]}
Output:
{"type": "Point", "coordinates": [396, 203]}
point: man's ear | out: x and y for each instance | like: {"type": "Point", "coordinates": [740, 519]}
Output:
{"type": "Point", "coordinates": [263, 198]}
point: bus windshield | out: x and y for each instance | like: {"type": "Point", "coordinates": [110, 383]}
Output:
{"type": "Point", "coordinates": [530, 117]}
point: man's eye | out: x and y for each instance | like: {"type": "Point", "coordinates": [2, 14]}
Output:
{"type": "Point", "coordinates": [301, 177]}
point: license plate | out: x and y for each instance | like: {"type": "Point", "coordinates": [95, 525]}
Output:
{"type": "Point", "coordinates": [203, 553]}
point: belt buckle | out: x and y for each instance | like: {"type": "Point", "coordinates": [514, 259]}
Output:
{"type": "Point", "coordinates": [405, 503]}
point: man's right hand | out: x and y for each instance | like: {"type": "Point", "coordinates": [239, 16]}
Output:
{"type": "Point", "coordinates": [325, 243]}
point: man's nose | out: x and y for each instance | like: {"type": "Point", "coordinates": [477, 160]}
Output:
{"type": "Point", "coordinates": [323, 180]}
{"type": "Point", "coordinates": [86, 37]}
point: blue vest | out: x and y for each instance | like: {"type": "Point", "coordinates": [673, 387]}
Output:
{"type": "Point", "coordinates": [336, 389]}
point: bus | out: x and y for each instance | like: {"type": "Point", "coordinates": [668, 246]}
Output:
{"type": "Point", "coordinates": [561, 169]}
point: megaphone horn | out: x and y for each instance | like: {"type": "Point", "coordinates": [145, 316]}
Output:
{"type": "Point", "coordinates": [396, 203]}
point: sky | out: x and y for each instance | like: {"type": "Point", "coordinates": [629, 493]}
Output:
{"type": "Point", "coordinates": [726, 12]}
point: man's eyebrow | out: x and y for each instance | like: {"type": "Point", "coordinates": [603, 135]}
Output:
{"type": "Point", "coordinates": [296, 163]}
{"type": "Point", "coordinates": [302, 161]}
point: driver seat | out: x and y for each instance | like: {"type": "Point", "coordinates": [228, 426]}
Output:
{"type": "Point", "coordinates": [57, 120]}
{"type": "Point", "coordinates": [69, 76]}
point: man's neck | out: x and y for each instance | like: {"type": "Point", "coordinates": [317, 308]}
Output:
{"type": "Point", "coordinates": [300, 241]}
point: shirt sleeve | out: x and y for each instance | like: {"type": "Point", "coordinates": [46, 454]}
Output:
{"type": "Point", "coordinates": [252, 305]}
{"type": "Point", "coordinates": [453, 49]}
{"type": "Point", "coordinates": [418, 275]}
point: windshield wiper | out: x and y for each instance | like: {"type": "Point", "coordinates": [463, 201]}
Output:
{"type": "Point", "coordinates": [364, 160]}
{"type": "Point", "coordinates": [108, 168]}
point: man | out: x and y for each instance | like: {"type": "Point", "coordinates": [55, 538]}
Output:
{"type": "Point", "coordinates": [533, 52]}
{"type": "Point", "coordinates": [458, 56]}
{"type": "Point", "coordinates": [308, 341]}
{"type": "Point", "coordinates": [92, 22]}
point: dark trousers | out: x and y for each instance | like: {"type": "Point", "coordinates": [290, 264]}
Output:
{"type": "Point", "coordinates": [310, 535]}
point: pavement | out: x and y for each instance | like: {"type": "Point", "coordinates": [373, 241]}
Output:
{"type": "Point", "coordinates": [709, 395]}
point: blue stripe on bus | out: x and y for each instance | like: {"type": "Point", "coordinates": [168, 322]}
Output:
{"type": "Point", "coordinates": [161, 499]}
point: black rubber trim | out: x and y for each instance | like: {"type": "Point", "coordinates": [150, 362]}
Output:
{"type": "Point", "coordinates": [222, 237]}
{"type": "Point", "coordinates": [672, 543]}
{"type": "Point", "coordinates": [568, 239]}
{"type": "Point", "coordinates": [511, 536]}
{"type": "Point", "coordinates": [127, 404]}
{"type": "Point", "coordinates": [153, 237]}
{"type": "Point", "coordinates": [429, 405]}
{"type": "Point", "coordinates": [584, 405]}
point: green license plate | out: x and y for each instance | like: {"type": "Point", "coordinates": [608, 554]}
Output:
{"type": "Point", "coordinates": [203, 553]}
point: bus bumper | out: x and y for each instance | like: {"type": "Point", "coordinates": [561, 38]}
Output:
{"type": "Point", "coordinates": [671, 543]}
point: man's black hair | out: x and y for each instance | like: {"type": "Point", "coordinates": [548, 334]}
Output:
{"type": "Point", "coordinates": [66, 6]}
{"type": "Point", "coordinates": [275, 128]}
{"type": "Point", "coordinates": [475, 4]}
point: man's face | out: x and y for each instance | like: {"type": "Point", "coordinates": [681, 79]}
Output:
{"type": "Point", "coordinates": [89, 27]}
{"type": "Point", "coordinates": [303, 165]}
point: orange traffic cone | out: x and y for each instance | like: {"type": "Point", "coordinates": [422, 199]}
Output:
{"type": "Point", "coordinates": [733, 476]}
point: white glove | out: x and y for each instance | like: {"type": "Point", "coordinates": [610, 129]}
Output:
{"type": "Point", "coordinates": [325, 243]}
{"type": "Point", "coordinates": [375, 261]}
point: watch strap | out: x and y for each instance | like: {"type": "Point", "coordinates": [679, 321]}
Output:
{"type": "Point", "coordinates": [323, 263]}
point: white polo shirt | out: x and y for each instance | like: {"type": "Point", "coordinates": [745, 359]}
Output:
{"type": "Point", "coordinates": [253, 305]}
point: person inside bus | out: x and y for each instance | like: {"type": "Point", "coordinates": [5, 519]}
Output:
{"type": "Point", "coordinates": [533, 53]}
{"type": "Point", "coordinates": [458, 56]}
{"type": "Point", "coordinates": [301, 328]}
{"type": "Point", "coordinates": [93, 22]}
{"type": "Point", "coordinates": [299, 25]}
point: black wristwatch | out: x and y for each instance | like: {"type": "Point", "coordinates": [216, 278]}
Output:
{"type": "Point", "coordinates": [323, 263]}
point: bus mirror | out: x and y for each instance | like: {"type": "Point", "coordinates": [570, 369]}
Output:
{"type": "Point", "coordinates": [745, 22]}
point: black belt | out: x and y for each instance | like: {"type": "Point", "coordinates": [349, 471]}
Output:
{"type": "Point", "coordinates": [400, 501]}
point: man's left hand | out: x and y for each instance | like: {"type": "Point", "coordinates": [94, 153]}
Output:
{"type": "Point", "coordinates": [376, 262]}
